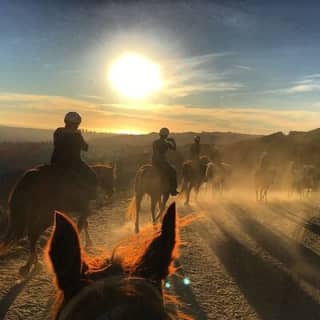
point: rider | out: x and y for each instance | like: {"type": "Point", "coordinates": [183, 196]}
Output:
{"type": "Point", "coordinates": [265, 161]}
{"type": "Point", "coordinates": [195, 153]}
{"type": "Point", "coordinates": [215, 156]}
{"type": "Point", "coordinates": [195, 149]}
{"type": "Point", "coordinates": [160, 148]}
{"type": "Point", "coordinates": [68, 144]}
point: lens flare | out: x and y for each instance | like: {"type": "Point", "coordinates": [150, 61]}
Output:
{"type": "Point", "coordinates": [186, 281]}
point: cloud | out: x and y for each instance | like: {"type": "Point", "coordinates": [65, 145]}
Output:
{"type": "Point", "coordinates": [48, 112]}
{"type": "Point", "coordinates": [309, 83]}
{"type": "Point", "coordinates": [194, 75]}
{"type": "Point", "coordinates": [247, 68]}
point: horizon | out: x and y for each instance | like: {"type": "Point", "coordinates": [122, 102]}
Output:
{"type": "Point", "coordinates": [87, 131]}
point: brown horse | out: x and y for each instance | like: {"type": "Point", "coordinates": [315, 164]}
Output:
{"type": "Point", "coordinates": [118, 287]}
{"type": "Point", "coordinates": [31, 205]}
{"type": "Point", "coordinates": [149, 181]}
{"type": "Point", "coordinates": [193, 175]}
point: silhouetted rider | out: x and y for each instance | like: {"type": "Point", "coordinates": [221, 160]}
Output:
{"type": "Point", "coordinates": [68, 144]}
{"type": "Point", "coordinates": [265, 161]}
{"type": "Point", "coordinates": [159, 159]}
{"type": "Point", "coordinates": [195, 149]}
{"type": "Point", "coordinates": [215, 156]}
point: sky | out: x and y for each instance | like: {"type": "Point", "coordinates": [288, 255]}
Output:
{"type": "Point", "coordinates": [244, 66]}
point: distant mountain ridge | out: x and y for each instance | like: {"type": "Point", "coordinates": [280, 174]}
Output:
{"type": "Point", "coordinates": [17, 134]}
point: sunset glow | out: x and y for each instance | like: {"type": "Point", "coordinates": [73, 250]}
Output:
{"type": "Point", "coordinates": [135, 76]}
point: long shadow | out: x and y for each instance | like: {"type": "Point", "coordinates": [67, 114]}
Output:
{"type": "Point", "coordinates": [308, 224]}
{"type": "Point", "coordinates": [293, 254]}
{"type": "Point", "coordinates": [191, 305]}
{"type": "Point", "coordinates": [268, 289]}
{"type": "Point", "coordinates": [12, 294]}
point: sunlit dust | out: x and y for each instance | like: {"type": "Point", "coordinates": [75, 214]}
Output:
{"type": "Point", "coordinates": [135, 76]}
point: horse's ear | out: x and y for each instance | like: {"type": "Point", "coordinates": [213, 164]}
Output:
{"type": "Point", "coordinates": [155, 262]}
{"type": "Point", "coordinates": [65, 253]}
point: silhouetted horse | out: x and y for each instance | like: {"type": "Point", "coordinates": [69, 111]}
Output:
{"type": "Point", "coordinates": [263, 180]}
{"type": "Point", "coordinates": [217, 175]}
{"type": "Point", "coordinates": [117, 288]}
{"type": "Point", "coordinates": [304, 179]}
{"type": "Point", "coordinates": [32, 202]}
{"type": "Point", "coordinates": [193, 175]}
{"type": "Point", "coordinates": [151, 182]}
{"type": "Point", "coordinates": [106, 175]}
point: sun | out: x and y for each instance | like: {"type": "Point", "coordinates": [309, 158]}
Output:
{"type": "Point", "coordinates": [135, 76]}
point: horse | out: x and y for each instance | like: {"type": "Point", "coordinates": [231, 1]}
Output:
{"type": "Point", "coordinates": [106, 175]}
{"type": "Point", "coordinates": [217, 175]}
{"type": "Point", "coordinates": [117, 288]}
{"type": "Point", "coordinates": [303, 180]}
{"type": "Point", "coordinates": [151, 182]}
{"type": "Point", "coordinates": [193, 175]}
{"type": "Point", "coordinates": [31, 204]}
{"type": "Point", "coordinates": [263, 180]}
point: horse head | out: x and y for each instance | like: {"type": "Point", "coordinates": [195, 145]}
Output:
{"type": "Point", "coordinates": [110, 288]}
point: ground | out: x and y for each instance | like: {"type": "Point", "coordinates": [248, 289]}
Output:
{"type": "Point", "coordinates": [245, 260]}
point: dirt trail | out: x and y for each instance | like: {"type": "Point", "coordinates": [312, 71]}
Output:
{"type": "Point", "coordinates": [245, 260]}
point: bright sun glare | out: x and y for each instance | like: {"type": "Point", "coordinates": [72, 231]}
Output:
{"type": "Point", "coordinates": [135, 76]}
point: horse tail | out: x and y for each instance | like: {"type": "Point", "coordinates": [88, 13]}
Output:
{"type": "Point", "coordinates": [17, 212]}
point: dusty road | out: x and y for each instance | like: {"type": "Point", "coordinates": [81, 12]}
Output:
{"type": "Point", "coordinates": [245, 260]}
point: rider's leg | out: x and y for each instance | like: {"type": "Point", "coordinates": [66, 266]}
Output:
{"type": "Point", "coordinates": [173, 179]}
{"type": "Point", "coordinates": [90, 179]}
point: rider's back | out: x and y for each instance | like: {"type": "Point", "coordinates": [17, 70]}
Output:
{"type": "Point", "coordinates": [195, 151]}
{"type": "Point", "coordinates": [160, 148]}
{"type": "Point", "coordinates": [67, 147]}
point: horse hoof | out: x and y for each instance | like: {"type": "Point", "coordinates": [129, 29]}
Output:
{"type": "Point", "coordinates": [136, 229]}
{"type": "Point", "coordinates": [24, 271]}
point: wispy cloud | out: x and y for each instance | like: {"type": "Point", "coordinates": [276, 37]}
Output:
{"type": "Point", "coordinates": [247, 68]}
{"type": "Point", "coordinates": [48, 112]}
{"type": "Point", "coordinates": [193, 75]}
{"type": "Point", "coordinates": [309, 83]}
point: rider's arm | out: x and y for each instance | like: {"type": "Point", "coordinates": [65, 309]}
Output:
{"type": "Point", "coordinates": [172, 144]}
{"type": "Point", "coordinates": [57, 137]}
{"type": "Point", "coordinates": [84, 145]}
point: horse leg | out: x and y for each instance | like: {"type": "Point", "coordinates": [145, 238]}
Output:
{"type": "Point", "coordinates": [33, 236]}
{"type": "Point", "coordinates": [265, 195]}
{"type": "Point", "coordinates": [165, 198]}
{"type": "Point", "coordinates": [196, 190]}
{"type": "Point", "coordinates": [138, 207]}
{"type": "Point", "coordinates": [84, 225]}
{"type": "Point", "coordinates": [87, 235]}
{"type": "Point", "coordinates": [188, 191]}
{"type": "Point", "coordinates": [154, 202]}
